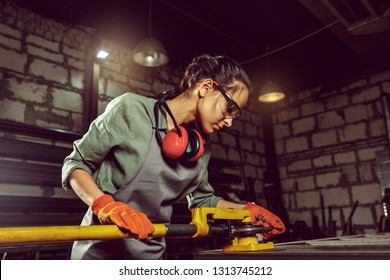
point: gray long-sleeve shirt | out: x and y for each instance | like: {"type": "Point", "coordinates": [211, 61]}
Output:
{"type": "Point", "coordinates": [116, 144]}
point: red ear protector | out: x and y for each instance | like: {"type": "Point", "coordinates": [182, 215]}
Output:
{"type": "Point", "coordinates": [179, 142]}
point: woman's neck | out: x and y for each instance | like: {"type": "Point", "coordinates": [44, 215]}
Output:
{"type": "Point", "coordinates": [183, 109]}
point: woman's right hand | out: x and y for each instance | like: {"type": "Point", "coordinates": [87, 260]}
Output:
{"type": "Point", "coordinates": [110, 211]}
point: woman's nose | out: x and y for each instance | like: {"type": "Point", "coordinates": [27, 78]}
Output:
{"type": "Point", "coordinates": [228, 122]}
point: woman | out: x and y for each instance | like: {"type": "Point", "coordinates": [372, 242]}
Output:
{"type": "Point", "coordinates": [140, 156]}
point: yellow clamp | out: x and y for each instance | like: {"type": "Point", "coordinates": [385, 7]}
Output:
{"type": "Point", "coordinates": [201, 215]}
{"type": "Point", "coordinates": [250, 243]}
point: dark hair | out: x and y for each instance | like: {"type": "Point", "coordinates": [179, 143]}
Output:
{"type": "Point", "coordinates": [221, 69]}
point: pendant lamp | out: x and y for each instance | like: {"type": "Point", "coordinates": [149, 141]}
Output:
{"type": "Point", "coordinates": [270, 92]}
{"type": "Point", "coordinates": [150, 52]}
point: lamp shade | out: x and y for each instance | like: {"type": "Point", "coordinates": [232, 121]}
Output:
{"type": "Point", "coordinates": [271, 92]}
{"type": "Point", "coordinates": [150, 52]}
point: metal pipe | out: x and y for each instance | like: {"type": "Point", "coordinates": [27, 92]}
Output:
{"type": "Point", "coordinates": [52, 234]}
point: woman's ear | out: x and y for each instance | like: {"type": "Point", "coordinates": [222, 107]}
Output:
{"type": "Point", "coordinates": [205, 86]}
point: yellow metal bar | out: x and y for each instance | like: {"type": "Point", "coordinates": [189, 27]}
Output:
{"type": "Point", "coordinates": [51, 234]}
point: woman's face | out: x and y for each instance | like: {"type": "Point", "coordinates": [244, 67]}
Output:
{"type": "Point", "coordinates": [216, 110]}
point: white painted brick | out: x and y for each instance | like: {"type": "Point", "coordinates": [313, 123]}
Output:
{"type": "Point", "coordinates": [6, 30]}
{"type": "Point", "coordinates": [282, 172]}
{"type": "Point", "coordinates": [12, 110]}
{"type": "Point", "coordinates": [238, 125]}
{"type": "Point", "coordinates": [304, 95]}
{"type": "Point", "coordinates": [102, 104]}
{"type": "Point", "coordinates": [288, 114]}
{"type": "Point", "coordinates": [312, 108]}
{"type": "Point", "coordinates": [342, 158]}
{"type": "Point", "coordinates": [250, 129]}
{"type": "Point", "coordinates": [363, 216]}
{"type": "Point", "coordinates": [233, 155]}
{"type": "Point", "coordinates": [228, 139]}
{"type": "Point", "coordinates": [367, 95]}
{"type": "Point", "coordinates": [287, 185]}
{"type": "Point", "coordinates": [329, 120]}
{"type": "Point", "coordinates": [41, 42]}
{"type": "Point", "coordinates": [328, 179]}
{"type": "Point", "coordinates": [353, 132]}
{"type": "Point", "coordinates": [218, 151]}
{"type": "Point", "coordinates": [77, 79]}
{"type": "Point", "coordinates": [112, 66]}
{"type": "Point", "coordinates": [115, 76]}
{"type": "Point", "coordinates": [324, 138]}
{"type": "Point", "coordinates": [355, 113]}
{"type": "Point", "coordinates": [295, 144]}
{"type": "Point", "coordinates": [386, 87]}
{"type": "Point", "coordinates": [259, 147]}
{"type": "Point", "coordinates": [279, 147]}
{"type": "Point", "coordinates": [28, 91]}
{"type": "Point", "coordinates": [375, 109]}
{"type": "Point", "coordinates": [75, 63]}
{"type": "Point", "coordinates": [369, 153]}
{"type": "Point", "coordinates": [356, 84]}
{"type": "Point", "coordinates": [256, 118]}
{"type": "Point", "coordinates": [56, 57]}
{"type": "Point", "coordinates": [11, 43]}
{"type": "Point", "coordinates": [323, 161]}
{"type": "Point", "coordinates": [281, 130]}
{"type": "Point", "coordinates": [135, 84]}
{"type": "Point", "coordinates": [336, 197]}
{"type": "Point", "coordinates": [74, 52]}
{"type": "Point", "coordinates": [366, 172]}
{"type": "Point", "coordinates": [300, 165]}
{"type": "Point", "coordinates": [115, 89]}
{"type": "Point", "coordinates": [306, 183]}
{"type": "Point", "coordinates": [300, 216]}
{"type": "Point", "coordinates": [251, 158]}
{"type": "Point", "coordinates": [67, 100]}
{"type": "Point", "coordinates": [308, 199]}
{"type": "Point", "coordinates": [250, 171]}
{"type": "Point", "coordinates": [303, 125]}
{"type": "Point", "coordinates": [247, 144]}
{"type": "Point", "coordinates": [377, 128]}
{"type": "Point", "coordinates": [49, 71]}
{"type": "Point", "coordinates": [337, 101]}
{"type": "Point", "coordinates": [384, 76]}
{"type": "Point", "coordinates": [160, 86]}
{"type": "Point", "coordinates": [260, 176]}
{"type": "Point", "coordinates": [12, 60]}
{"type": "Point", "coordinates": [350, 172]}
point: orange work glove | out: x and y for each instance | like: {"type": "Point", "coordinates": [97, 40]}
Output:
{"type": "Point", "coordinates": [261, 216]}
{"type": "Point", "coordinates": [124, 216]}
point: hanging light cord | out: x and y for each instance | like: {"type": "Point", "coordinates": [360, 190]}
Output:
{"type": "Point", "coordinates": [150, 18]}
{"type": "Point", "coordinates": [290, 44]}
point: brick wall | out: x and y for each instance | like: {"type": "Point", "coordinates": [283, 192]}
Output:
{"type": "Point", "coordinates": [326, 140]}
{"type": "Point", "coordinates": [44, 70]}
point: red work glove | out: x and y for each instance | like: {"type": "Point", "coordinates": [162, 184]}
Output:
{"type": "Point", "coordinates": [124, 216]}
{"type": "Point", "coordinates": [261, 216]}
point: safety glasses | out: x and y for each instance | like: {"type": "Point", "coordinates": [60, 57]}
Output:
{"type": "Point", "coordinates": [232, 110]}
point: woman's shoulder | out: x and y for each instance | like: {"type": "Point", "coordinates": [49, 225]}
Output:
{"type": "Point", "coordinates": [132, 100]}
{"type": "Point", "coordinates": [135, 97]}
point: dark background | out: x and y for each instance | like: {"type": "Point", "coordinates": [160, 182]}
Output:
{"type": "Point", "coordinates": [309, 42]}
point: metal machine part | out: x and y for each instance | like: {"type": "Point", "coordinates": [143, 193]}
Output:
{"type": "Point", "coordinates": [234, 225]}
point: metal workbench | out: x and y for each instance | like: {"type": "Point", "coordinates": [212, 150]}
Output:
{"type": "Point", "coordinates": [367, 246]}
